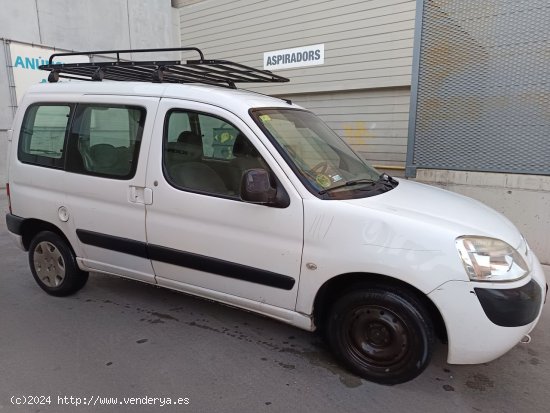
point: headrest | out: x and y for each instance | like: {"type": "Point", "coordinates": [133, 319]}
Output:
{"type": "Point", "coordinates": [190, 145]}
{"type": "Point", "coordinates": [104, 155]}
{"type": "Point", "coordinates": [243, 148]}
{"type": "Point", "coordinates": [189, 137]}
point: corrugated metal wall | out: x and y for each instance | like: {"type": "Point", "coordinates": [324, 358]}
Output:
{"type": "Point", "coordinates": [373, 122]}
{"type": "Point", "coordinates": [362, 90]}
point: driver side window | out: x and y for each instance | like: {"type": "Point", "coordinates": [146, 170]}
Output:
{"type": "Point", "coordinates": [206, 154]}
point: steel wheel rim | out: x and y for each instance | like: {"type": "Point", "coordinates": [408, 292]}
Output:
{"type": "Point", "coordinates": [49, 264]}
{"type": "Point", "coordinates": [377, 338]}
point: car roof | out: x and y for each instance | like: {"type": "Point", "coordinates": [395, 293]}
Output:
{"type": "Point", "coordinates": [220, 96]}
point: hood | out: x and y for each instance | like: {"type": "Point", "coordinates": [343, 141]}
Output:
{"type": "Point", "coordinates": [433, 206]}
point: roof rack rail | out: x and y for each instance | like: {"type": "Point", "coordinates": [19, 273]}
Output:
{"type": "Point", "coordinates": [211, 72]}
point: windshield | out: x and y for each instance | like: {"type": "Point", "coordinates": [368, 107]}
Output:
{"type": "Point", "coordinates": [322, 160]}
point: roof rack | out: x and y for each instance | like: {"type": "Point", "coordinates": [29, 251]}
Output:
{"type": "Point", "coordinates": [211, 72]}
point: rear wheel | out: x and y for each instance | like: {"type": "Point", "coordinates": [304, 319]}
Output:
{"type": "Point", "coordinates": [53, 265]}
{"type": "Point", "coordinates": [383, 335]}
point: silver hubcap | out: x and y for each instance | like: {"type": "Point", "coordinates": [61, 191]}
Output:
{"type": "Point", "coordinates": [49, 264]}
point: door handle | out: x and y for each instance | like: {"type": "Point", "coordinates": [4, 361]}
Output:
{"type": "Point", "coordinates": [141, 195]}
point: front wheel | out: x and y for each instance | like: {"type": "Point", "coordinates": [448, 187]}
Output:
{"type": "Point", "coordinates": [53, 265]}
{"type": "Point", "coordinates": [383, 335]}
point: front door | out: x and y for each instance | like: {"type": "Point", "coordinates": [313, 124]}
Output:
{"type": "Point", "coordinates": [202, 238]}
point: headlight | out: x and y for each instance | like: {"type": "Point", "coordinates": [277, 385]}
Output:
{"type": "Point", "coordinates": [489, 259]}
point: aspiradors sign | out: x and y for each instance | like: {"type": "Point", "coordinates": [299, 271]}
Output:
{"type": "Point", "coordinates": [297, 57]}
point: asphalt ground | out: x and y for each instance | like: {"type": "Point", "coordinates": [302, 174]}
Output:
{"type": "Point", "coordinates": [123, 339]}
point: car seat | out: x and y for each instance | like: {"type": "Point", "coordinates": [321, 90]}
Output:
{"type": "Point", "coordinates": [189, 171]}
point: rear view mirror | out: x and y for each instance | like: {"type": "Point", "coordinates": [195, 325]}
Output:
{"type": "Point", "coordinates": [256, 187]}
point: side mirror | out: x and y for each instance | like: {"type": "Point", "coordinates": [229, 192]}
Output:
{"type": "Point", "coordinates": [256, 187]}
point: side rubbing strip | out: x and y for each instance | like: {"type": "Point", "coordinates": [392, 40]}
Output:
{"type": "Point", "coordinates": [110, 242]}
{"type": "Point", "coordinates": [186, 259]}
{"type": "Point", "coordinates": [220, 267]}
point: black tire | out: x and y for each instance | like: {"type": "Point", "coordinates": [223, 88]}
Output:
{"type": "Point", "coordinates": [53, 265]}
{"type": "Point", "coordinates": [384, 335]}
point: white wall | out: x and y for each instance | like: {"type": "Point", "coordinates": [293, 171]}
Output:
{"type": "Point", "coordinates": [89, 25]}
{"type": "Point", "coordinates": [82, 26]}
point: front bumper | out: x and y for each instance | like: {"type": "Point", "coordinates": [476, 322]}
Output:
{"type": "Point", "coordinates": [485, 321]}
{"type": "Point", "coordinates": [512, 307]}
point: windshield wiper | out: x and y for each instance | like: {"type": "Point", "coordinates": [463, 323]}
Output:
{"type": "Point", "coordinates": [349, 183]}
{"type": "Point", "coordinates": [384, 179]}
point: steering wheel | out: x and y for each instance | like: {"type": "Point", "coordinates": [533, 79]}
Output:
{"type": "Point", "coordinates": [320, 168]}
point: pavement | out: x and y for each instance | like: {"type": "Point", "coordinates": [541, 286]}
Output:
{"type": "Point", "coordinates": [123, 339]}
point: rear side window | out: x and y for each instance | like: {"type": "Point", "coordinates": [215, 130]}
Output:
{"type": "Point", "coordinates": [43, 134]}
{"type": "Point", "coordinates": [105, 140]}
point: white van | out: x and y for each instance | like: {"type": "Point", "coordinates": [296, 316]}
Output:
{"type": "Point", "coordinates": [254, 202]}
